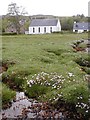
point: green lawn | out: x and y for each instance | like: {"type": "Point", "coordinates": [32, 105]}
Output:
{"type": "Point", "coordinates": [51, 54]}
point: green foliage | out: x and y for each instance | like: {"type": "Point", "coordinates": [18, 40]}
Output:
{"type": "Point", "coordinates": [36, 90]}
{"type": "Point", "coordinates": [7, 94]}
{"type": "Point", "coordinates": [76, 93]}
{"type": "Point", "coordinates": [67, 23]}
{"type": "Point", "coordinates": [16, 78]}
{"type": "Point", "coordinates": [84, 62]}
{"type": "Point", "coordinates": [44, 86]}
{"type": "Point", "coordinates": [5, 23]}
{"type": "Point", "coordinates": [4, 33]}
{"type": "Point", "coordinates": [80, 18]}
{"type": "Point", "coordinates": [79, 95]}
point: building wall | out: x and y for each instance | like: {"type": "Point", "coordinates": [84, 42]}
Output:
{"type": "Point", "coordinates": [79, 31]}
{"type": "Point", "coordinates": [58, 26]}
{"type": "Point", "coordinates": [49, 29]}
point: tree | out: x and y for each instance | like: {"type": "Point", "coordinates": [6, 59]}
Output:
{"type": "Point", "coordinates": [15, 13]}
{"type": "Point", "coordinates": [67, 23]}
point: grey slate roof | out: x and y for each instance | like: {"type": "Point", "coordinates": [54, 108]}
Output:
{"type": "Point", "coordinates": [83, 26]}
{"type": "Point", "coordinates": [43, 22]}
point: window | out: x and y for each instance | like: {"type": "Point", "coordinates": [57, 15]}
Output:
{"type": "Point", "coordinates": [76, 30]}
{"type": "Point", "coordinates": [85, 30]}
{"type": "Point", "coordinates": [33, 30]}
{"type": "Point", "coordinates": [50, 29]}
{"type": "Point", "coordinates": [39, 29]}
{"type": "Point", "coordinates": [76, 25]}
{"type": "Point", "coordinates": [44, 29]}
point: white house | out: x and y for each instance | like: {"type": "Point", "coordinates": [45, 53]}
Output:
{"type": "Point", "coordinates": [80, 27]}
{"type": "Point", "coordinates": [43, 26]}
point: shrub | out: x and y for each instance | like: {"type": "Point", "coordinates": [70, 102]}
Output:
{"type": "Point", "coordinates": [13, 33]}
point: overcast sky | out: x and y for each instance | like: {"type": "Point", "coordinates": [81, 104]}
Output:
{"type": "Point", "coordinates": [49, 7]}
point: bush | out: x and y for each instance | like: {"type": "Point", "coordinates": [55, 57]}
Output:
{"type": "Point", "coordinates": [13, 33]}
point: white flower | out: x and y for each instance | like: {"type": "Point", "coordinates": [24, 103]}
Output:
{"type": "Point", "coordinates": [80, 97]}
{"type": "Point", "coordinates": [31, 81]}
{"type": "Point", "coordinates": [56, 99]}
{"type": "Point", "coordinates": [25, 77]}
{"type": "Point", "coordinates": [30, 86]}
{"type": "Point", "coordinates": [76, 105]}
{"type": "Point", "coordinates": [86, 111]}
{"type": "Point", "coordinates": [59, 95]}
{"type": "Point", "coordinates": [27, 82]}
{"type": "Point", "coordinates": [48, 83]}
{"type": "Point", "coordinates": [54, 87]}
{"type": "Point", "coordinates": [70, 74]}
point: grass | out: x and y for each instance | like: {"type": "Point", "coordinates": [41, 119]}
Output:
{"type": "Point", "coordinates": [50, 53]}
{"type": "Point", "coordinates": [38, 52]}
{"type": "Point", "coordinates": [7, 94]}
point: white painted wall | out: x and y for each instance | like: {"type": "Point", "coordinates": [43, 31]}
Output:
{"type": "Point", "coordinates": [58, 26]}
{"type": "Point", "coordinates": [80, 31]}
{"type": "Point", "coordinates": [54, 29]}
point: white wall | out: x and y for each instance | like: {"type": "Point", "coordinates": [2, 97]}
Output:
{"type": "Point", "coordinates": [58, 26]}
{"type": "Point", "coordinates": [79, 31]}
{"type": "Point", "coordinates": [54, 29]}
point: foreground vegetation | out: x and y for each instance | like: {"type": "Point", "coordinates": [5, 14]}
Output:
{"type": "Point", "coordinates": [45, 67]}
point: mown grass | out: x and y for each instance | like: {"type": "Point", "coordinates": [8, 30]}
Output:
{"type": "Point", "coordinates": [50, 53]}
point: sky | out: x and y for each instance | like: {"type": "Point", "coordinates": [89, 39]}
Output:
{"type": "Point", "coordinates": [49, 7]}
